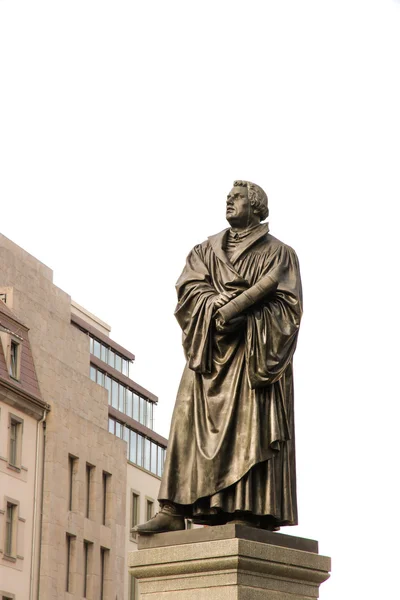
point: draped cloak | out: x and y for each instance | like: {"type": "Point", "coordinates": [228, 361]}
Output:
{"type": "Point", "coordinates": [231, 444]}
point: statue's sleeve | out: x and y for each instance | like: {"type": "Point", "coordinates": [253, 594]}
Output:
{"type": "Point", "coordinates": [272, 328]}
{"type": "Point", "coordinates": [194, 311]}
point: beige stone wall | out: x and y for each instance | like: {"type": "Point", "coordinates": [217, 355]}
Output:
{"type": "Point", "coordinates": [76, 425]}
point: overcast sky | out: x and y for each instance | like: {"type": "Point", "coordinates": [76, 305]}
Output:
{"type": "Point", "coordinates": [122, 128]}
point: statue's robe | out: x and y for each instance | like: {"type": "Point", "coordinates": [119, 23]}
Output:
{"type": "Point", "coordinates": [231, 445]}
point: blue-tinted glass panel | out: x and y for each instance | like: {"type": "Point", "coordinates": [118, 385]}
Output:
{"type": "Point", "coordinates": [118, 362]}
{"type": "Point", "coordinates": [146, 461]}
{"type": "Point", "coordinates": [111, 357]}
{"type": "Point", "coordinates": [118, 429]}
{"type": "Point", "coordinates": [153, 464]}
{"type": "Point", "coordinates": [136, 407]}
{"type": "Point", "coordinates": [142, 414]}
{"type": "Point", "coordinates": [125, 367]}
{"type": "Point", "coordinates": [159, 460]}
{"type": "Point", "coordinates": [128, 402]}
{"type": "Point", "coordinates": [126, 438]}
{"type": "Point", "coordinates": [92, 373]}
{"type": "Point", "coordinates": [104, 352]}
{"type": "Point", "coordinates": [107, 385]}
{"type": "Point", "coordinates": [121, 403]}
{"type": "Point", "coordinates": [100, 378]}
{"type": "Point", "coordinates": [132, 447]}
{"type": "Point", "coordinates": [114, 393]}
{"type": "Point", "coordinates": [96, 348]}
{"type": "Point", "coordinates": [111, 425]}
{"type": "Point", "coordinates": [139, 456]}
{"type": "Point", "coordinates": [131, 370]}
{"type": "Point", "coordinates": [91, 345]}
{"type": "Point", "coordinates": [149, 414]}
{"type": "Point", "coordinates": [163, 460]}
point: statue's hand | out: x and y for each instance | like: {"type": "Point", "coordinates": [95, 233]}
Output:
{"type": "Point", "coordinates": [223, 299]}
{"type": "Point", "coordinates": [231, 326]}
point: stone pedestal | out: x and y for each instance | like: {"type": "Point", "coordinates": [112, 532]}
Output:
{"type": "Point", "coordinates": [230, 562]}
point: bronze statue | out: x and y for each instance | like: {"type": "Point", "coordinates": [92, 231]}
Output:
{"type": "Point", "coordinates": [231, 453]}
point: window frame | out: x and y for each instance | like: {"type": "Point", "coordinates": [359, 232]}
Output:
{"type": "Point", "coordinates": [15, 453]}
{"type": "Point", "coordinates": [11, 528]}
{"type": "Point", "coordinates": [135, 513]}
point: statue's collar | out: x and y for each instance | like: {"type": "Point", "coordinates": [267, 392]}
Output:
{"type": "Point", "coordinates": [217, 242]}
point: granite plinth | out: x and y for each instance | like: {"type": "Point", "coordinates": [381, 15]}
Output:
{"type": "Point", "coordinates": [230, 562]}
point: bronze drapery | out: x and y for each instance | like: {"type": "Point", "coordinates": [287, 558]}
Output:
{"type": "Point", "coordinates": [231, 444]}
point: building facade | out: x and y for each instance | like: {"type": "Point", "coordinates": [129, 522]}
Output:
{"type": "Point", "coordinates": [89, 459]}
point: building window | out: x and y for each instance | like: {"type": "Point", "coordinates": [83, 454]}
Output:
{"type": "Point", "coordinates": [87, 549]}
{"type": "Point", "coordinates": [135, 512]}
{"type": "Point", "coordinates": [103, 571]}
{"type": "Point", "coordinates": [10, 544]}
{"type": "Point", "coordinates": [72, 471]}
{"type": "Point", "coordinates": [3, 297]}
{"type": "Point", "coordinates": [110, 357]}
{"type": "Point", "coordinates": [70, 540]}
{"type": "Point", "coordinates": [149, 509]}
{"type": "Point", "coordinates": [15, 441]}
{"type": "Point", "coordinates": [14, 359]}
{"type": "Point", "coordinates": [123, 398]}
{"type": "Point", "coordinates": [89, 482]}
{"type": "Point", "coordinates": [106, 492]}
{"type": "Point", "coordinates": [140, 450]}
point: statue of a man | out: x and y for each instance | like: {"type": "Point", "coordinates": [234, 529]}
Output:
{"type": "Point", "coordinates": [231, 453]}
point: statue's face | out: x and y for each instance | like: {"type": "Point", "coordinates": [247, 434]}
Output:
{"type": "Point", "coordinates": [239, 212]}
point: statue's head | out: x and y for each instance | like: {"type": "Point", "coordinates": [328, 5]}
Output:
{"type": "Point", "coordinates": [246, 204]}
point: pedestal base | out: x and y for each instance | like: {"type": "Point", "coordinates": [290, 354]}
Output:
{"type": "Point", "coordinates": [230, 562]}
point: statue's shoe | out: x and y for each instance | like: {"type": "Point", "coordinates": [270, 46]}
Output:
{"type": "Point", "coordinates": [162, 522]}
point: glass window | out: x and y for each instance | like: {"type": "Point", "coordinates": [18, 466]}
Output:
{"type": "Point", "coordinates": [132, 446]}
{"type": "Point", "coordinates": [121, 403]}
{"type": "Point", "coordinates": [91, 345]}
{"type": "Point", "coordinates": [96, 348]}
{"type": "Point", "coordinates": [131, 369]}
{"type": "Point", "coordinates": [118, 429]}
{"type": "Point", "coordinates": [111, 356]}
{"type": "Point", "coordinates": [114, 393]}
{"type": "Point", "coordinates": [107, 385]}
{"type": "Point", "coordinates": [100, 378]}
{"type": "Point", "coordinates": [159, 460]}
{"type": "Point", "coordinates": [125, 367]}
{"type": "Point", "coordinates": [149, 509]}
{"type": "Point", "coordinates": [128, 402]}
{"type": "Point", "coordinates": [136, 407]}
{"type": "Point", "coordinates": [149, 414]}
{"type": "Point", "coordinates": [92, 373]}
{"type": "Point", "coordinates": [146, 461]}
{"type": "Point", "coordinates": [111, 425]}
{"type": "Point", "coordinates": [126, 438]}
{"type": "Point", "coordinates": [104, 352]}
{"type": "Point", "coordinates": [118, 362]}
{"type": "Point", "coordinates": [139, 450]}
{"type": "Point", "coordinates": [153, 465]}
{"type": "Point", "coordinates": [163, 460]}
{"type": "Point", "coordinates": [14, 354]}
{"type": "Point", "coordinates": [142, 417]}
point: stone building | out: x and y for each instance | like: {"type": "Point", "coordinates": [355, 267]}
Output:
{"type": "Point", "coordinates": [79, 430]}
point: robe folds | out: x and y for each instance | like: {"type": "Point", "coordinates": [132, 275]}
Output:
{"type": "Point", "coordinates": [231, 444]}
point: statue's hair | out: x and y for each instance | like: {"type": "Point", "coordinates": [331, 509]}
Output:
{"type": "Point", "coordinates": [258, 198]}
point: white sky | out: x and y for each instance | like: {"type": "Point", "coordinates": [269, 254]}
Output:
{"type": "Point", "coordinates": [122, 127]}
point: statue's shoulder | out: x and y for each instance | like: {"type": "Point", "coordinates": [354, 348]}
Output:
{"type": "Point", "coordinates": [272, 245]}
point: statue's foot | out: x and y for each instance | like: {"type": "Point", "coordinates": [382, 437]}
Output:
{"type": "Point", "coordinates": [162, 522]}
